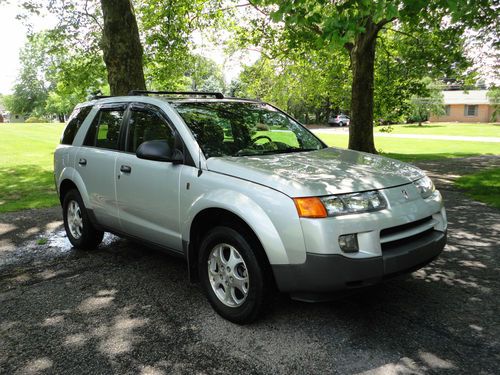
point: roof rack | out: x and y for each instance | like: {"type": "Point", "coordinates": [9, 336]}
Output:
{"type": "Point", "coordinates": [217, 95]}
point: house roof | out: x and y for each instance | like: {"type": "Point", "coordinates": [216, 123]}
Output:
{"type": "Point", "coordinates": [466, 97]}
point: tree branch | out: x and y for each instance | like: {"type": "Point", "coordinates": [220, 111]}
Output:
{"type": "Point", "coordinates": [404, 33]}
{"type": "Point", "coordinates": [384, 22]}
{"type": "Point", "coordinates": [258, 9]}
{"type": "Point", "coordinates": [86, 12]}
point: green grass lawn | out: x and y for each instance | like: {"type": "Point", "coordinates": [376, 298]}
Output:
{"type": "Point", "coordinates": [26, 165]}
{"type": "Point", "coordinates": [469, 130]}
{"type": "Point", "coordinates": [420, 149]}
{"type": "Point", "coordinates": [483, 186]}
{"type": "Point", "coordinates": [26, 159]}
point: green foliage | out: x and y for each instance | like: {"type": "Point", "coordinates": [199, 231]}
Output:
{"type": "Point", "coordinates": [305, 85]}
{"type": "Point", "coordinates": [34, 120]}
{"type": "Point", "coordinates": [204, 74]}
{"type": "Point", "coordinates": [74, 68]}
{"type": "Point", "coordinates": [406, 55]}
{"type": "Point", "coordinates": [432, 103]}
{"type": "Point", "coordinates": [167, 27]}
{"type": "Point", "coordinates": [54, 76]}
{"type": "Point", "coordinates": [494, 98]}
{"type": "Point", "coordinates": [32, 85]}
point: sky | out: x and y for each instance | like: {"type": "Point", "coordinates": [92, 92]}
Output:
{"type": "Point", "coordinates": [12, 38]}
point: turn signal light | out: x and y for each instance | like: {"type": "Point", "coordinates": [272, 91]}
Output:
{"type": "Point", "coordinates": [310, 207]}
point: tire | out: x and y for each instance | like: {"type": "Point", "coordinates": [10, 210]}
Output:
{"type": "Point", "coordinates": [341, 124]}
{"type": "Point", "coordinates": [248, 272]}
{"type": "Point", "coordinates": [80, 231]}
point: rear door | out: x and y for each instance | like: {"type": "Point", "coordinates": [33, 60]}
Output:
{"type": "Point", "coordinates": [148, 191]}
{"type": "Point", "coordinates": [96, 160]}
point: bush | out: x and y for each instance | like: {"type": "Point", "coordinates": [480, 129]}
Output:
{"type": "Point", "coordinates": [32, 120]}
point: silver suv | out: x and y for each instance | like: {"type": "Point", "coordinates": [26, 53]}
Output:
{"type": "Point", "coordinates": [250, 198]}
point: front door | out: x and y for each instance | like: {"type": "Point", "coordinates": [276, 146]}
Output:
{"type": "Point", "coordinates": [148, 191]}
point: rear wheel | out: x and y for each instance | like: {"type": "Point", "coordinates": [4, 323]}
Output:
{"type": "Point", "coordinates": [341, 123]}
{"type": "Point", "coordinates": [80, 231]}
{"type": "Point", "coordinates": [233, 276]}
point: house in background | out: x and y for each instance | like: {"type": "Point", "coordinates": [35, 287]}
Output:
{"type": "Point", "coordinates": [14, 117]}
{"type": "Point", "coordinates": [465, 106]}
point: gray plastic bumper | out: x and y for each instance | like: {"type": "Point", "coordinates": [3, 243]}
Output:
{"type": "Point", "coordinates": [329, 273]}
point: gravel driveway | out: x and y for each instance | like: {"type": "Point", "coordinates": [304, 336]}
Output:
{"type": "Point", "coordinates": [125, 309]}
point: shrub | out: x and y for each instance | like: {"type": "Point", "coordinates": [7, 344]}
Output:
{"type": "Point", "coordinates": [32, 120]}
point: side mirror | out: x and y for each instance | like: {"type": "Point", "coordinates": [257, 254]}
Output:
{"type": "Point", "coordinates": [159, 151]}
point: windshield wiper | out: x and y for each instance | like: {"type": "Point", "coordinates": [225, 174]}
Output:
{"type": "Point", "coordinates": [288, 150]}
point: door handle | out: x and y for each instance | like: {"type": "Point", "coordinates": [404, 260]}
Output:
{"type": "Point", "coordinates": [82, 161]}
{"type": "Point", "coordinates": [125, 169]}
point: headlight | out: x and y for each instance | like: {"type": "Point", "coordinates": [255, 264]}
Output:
{"type": "Point", "coordinates": [425, 186]}
{"type": "Point", "coordinates": [353, 203]}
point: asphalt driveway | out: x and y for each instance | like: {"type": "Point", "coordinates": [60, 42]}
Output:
{"type": "Point", "coordinates": [125, 309]}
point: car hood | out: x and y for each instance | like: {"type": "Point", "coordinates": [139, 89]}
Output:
{"type": "Point", "coordinates": [317, 173]}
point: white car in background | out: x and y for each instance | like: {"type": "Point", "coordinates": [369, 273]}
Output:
{"type": "Point", "coordinates": [339, 120]}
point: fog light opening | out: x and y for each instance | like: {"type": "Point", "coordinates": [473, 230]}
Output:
{"type": "Point", "coordinates": [349, 243]}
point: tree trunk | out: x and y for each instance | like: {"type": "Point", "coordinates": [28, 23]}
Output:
{"type": "Point", "coordinates": [122, 47]}
{"type": "Point", "coordinates": [363, 64]}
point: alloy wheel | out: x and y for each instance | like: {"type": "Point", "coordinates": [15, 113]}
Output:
{"type": "Point", "coordinates": [75, 221]}
{"type": "Point", "coordinates": [228, 275]}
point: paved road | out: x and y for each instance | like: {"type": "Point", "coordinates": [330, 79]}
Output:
{"type": "Point", "coordinates": [345, 130]}
{"type": "Point", "coordinates": [124, 309]}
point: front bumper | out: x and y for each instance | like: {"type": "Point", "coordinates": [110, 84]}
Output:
{"type": "Point", "coordinates": [323, 273]}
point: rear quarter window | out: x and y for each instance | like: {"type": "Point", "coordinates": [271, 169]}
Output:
{"type": "Point", "coordinates": [75, 121]}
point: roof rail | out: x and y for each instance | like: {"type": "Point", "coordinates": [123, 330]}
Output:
{"type": "Point", "coordinates": [217, 95]}
{"type": "Point", "coordinates": [243, 99]}
{"type": "Point", "coordinates": [98, 95]}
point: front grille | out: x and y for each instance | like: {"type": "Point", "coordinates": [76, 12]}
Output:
{"type": "Point", "coordinates": [396, 244]}
{"type": "Point", "coordinates": [401, 228]}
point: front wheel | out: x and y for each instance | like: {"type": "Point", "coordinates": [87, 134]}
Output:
{"type": "Point", "coordinates": [233, 275]}
{"type": "Point", "coordinates": [341, 124]}
{"type": "Point", "coordinates": [80, 231]}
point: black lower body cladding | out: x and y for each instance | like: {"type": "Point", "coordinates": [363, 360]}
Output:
{"type": "Point", "coordinates": [322, 274]}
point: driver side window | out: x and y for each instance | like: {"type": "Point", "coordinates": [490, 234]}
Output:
{"type": "Point", "coordinates": [147, 125]}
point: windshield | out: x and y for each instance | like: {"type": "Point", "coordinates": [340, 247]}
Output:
{"type": "Point", "coordinates": [243, 129]}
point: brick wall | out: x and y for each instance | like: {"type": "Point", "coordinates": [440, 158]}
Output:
{"type": "Point", "coordinates": [457, 114]}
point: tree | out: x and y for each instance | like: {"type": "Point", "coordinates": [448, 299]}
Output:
{"type": "Point", "coordinates": [432, 103]}
{"type": "Point", "coordinates": [33, 83]}
{"type": "Point", "coordinates": [494, 98]}
{"type": "Point", "coordinates": [204, 74]}
{"type": "Point", "coordinates": [122, 48]}
{"type": "Point", "coordinates": [305, 84]}
{"type": "Point", "coordinates": [404, 58]}
{"type": "Point", "coordinates": [355, 25]}
{"type": "Point", "coordinates": [110, 30]}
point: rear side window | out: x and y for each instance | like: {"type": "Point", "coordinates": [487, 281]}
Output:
{"type": "Point", "coordinates": [146, 125]}
{"type": "Point", "coordinates": [75, 121]}
{"type": "Point", "coordinates": [105, 129]}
